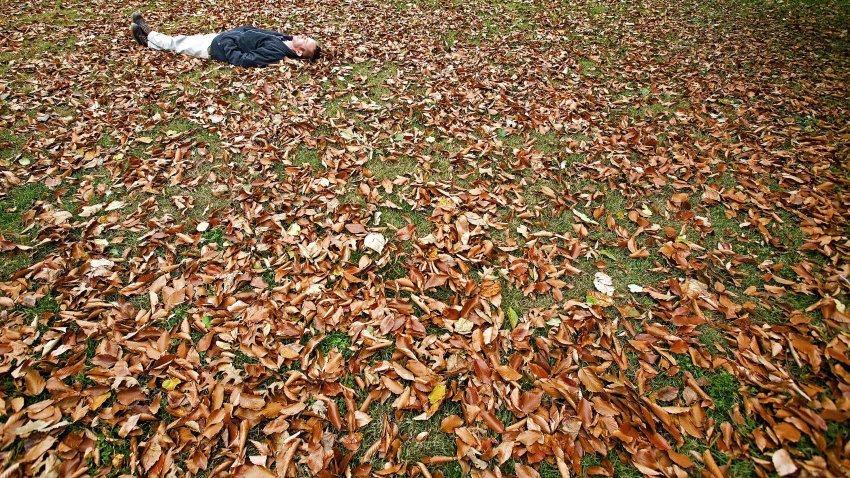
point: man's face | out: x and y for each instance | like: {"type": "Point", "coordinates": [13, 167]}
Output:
{"type": "Point", "coordinates": [304, 45]}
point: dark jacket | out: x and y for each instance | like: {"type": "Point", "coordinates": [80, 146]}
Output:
{"type": "Point", "coordinates": [249, 46]}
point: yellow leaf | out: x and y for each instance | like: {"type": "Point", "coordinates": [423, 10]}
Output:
{"type": "Point", "coordinates": [437, 394]}
{"type": "Point", "coordinates": [171, 383]}
{"type": "Point", "coordinates": [463, 326]}
{"type": "Point", "coordinates": [98, 401]}
{"type": "Point", "coordinates": [293, 230]}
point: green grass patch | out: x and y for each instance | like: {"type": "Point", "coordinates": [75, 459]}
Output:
{"type": "Point", "coordinates": [112, 450]}
{"type": "Point", "coordinates": [240, 360]}
{"type": "Point", "coordinates": [10, 144]}
{"type": "Point", "coordinates": [712, 338]}
{"type": "Point", "coordinates": [435, 442]}
{"type": "Point", "coordinates": [336, 340]}
{"type": "Point", "coordinates": [390, 168]}
{"type": "Point", "coordinates": [45, 305]}
{"type": "Point", "coordinates": [214, 235]}
{"type": "Point", "coordinates": [352, 197]}
{"type": "Point", "coordinates": [18, 201]}
{"type": "Point", "coordinates": [399, 218]}
{"type": "Point", "coordinates": [513, 298]}
{"type": "Point", "coordinates": [306, 156]}
{"type": "Point", "coordinates": [210, 141]}
{"type": "Point", "coordinates": [177, 315]}
{"type": "Point", "coordinates": [13, 262]}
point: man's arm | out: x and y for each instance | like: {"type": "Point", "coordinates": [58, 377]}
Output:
{"type": "Point", "coordinates": [273, 33]}
{"type": "Point", "coordinates": [264, 31]}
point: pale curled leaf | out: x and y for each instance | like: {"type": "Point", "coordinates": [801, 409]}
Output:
{"type": "Point", "coordinates": [584, 217]}
{"type": "Point", "coordinates": [375, 241]}
{"type": "Point", "coordinates": [603, 283]}
{"type": "Point", "coordinates": [783, 463]}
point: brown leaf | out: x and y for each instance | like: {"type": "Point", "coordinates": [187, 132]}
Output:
{"type": "Point", "coordinates": [152, 453]}
{"type": "Point", "coordinates": [508, 373]}
{"type": "Point", "coordinates": [530, 401]}
{"type": "Point", "coordinates": [39, 449]}
{"type": "Point", "coordinates": [35, 384]}
{"type": "Point", "coordinates": [787, 432]}
{"type": "Point", "coordinates": [524, 471]}
{"type": "Point", "coordinates": [253, 471]}
{"type": "Point", "coordinates": [450, 423]}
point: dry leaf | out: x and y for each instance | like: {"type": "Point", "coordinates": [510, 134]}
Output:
{"type": "Point", "coordinates": [603, 283]}
{"type": "Point", "coordinates": [375, 241]}
{"type": "Point", "coordinates": [783, 463]}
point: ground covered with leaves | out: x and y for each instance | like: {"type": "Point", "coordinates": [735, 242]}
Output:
{"type": "Point", "coordinates": [487, 238]}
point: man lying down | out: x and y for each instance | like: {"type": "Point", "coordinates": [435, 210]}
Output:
{"type": "Point", "coordinates": [243, 46]}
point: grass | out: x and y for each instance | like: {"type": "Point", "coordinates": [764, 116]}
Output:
{"type": "Point", "coordinates": [177, 315]}
{"type": "Point", "coordinates": [338, 341]}
{"type": "Point", "coordinates": [16, 202]}
{"type": "Point", "coordinates": [723, 389]}
{"type": "Point", "coordinates": [13, 206]}
{"type": "Point", "coordinates": [693, 445]}
{"type": "Point", "coordinates": [352, 197]}
{"type": "Point", "coordinates": [712, 338]}
{"type": "Point", "coordinates": [213, 236]}
{"type": "Point", "coordinates": [513, 298]}
{"type": "Point", "coordinates": [179, 126]}
{"type": "Point", "coordinates": [581, 155]}
{"type": "Point", "coordinates": [45, 305]}
{"type": "Point", "coordinates": [622, 469]}
{"type": "Point", "coordinates": [391, 168]}
{"type": "Point", "coordinates": [721, 386]}
{"type": "Point", "coordinates": [13, 262]}
{"type": "Point", "coordinates": [741, 469]}
{"type": "Point", "coordinates": [373, 430]}
{"type": "Point", "coordinates": [304, 156]}
{"type": "Point", "coordinates": [396, 269]}
{"type": "Point", "coordinates": [203, 200]}
{"type": "Point", "coordinates": [588, 67]}
{"type": "Point", "coordinates": [240, 360]}
{"type": "Point", "coordinates": [112, 452]}
{"type": "Point", "coordinates": [10, 144]}
{"type": "Point", "coordinates": [209, 140]}
{"type": "Point", "coordinates": [141, 301]}
{"type": "Point", "coordinates": [624, 270]}
{"type": "Point", "coordinates": [435, 443]}
{"type": "Point", "coordinates": [400, 218]}
{"type": "Point", "coordinates": [413, 450]}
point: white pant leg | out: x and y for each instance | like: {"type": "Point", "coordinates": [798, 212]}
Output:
{"type": "Point", "coordinates": [192, 45]}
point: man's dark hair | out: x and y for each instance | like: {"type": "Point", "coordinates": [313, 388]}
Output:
{"type": "Point", "coordinates": [316, 54]}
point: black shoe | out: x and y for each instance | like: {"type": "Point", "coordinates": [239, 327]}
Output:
{"type": "Point", "coordinates": [139, 34]}
{"type": "Point", "coordinates": [140, 21]}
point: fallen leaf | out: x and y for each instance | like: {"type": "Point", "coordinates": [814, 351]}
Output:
{"type": "Point", "coordinates": [437, 394]}
{"type": "Point", "coordinates": [603, 283]}
{"type": "Point", "coordinates": [783, 463]}
{"type": "Point", "coordinates": [375, 241]}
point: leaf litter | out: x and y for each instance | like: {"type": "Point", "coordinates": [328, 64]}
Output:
{"type": "Point", "coordinates": [276, 272]}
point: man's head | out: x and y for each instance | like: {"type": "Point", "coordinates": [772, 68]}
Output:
{"type": "Point", "coordinates": [306, 47]}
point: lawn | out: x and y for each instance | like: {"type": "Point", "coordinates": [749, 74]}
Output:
{"type": "Point", "coordinates": [483, 238]}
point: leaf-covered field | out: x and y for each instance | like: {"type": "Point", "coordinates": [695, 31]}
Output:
{"type": "Point", "coordinates": [488, 238]}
